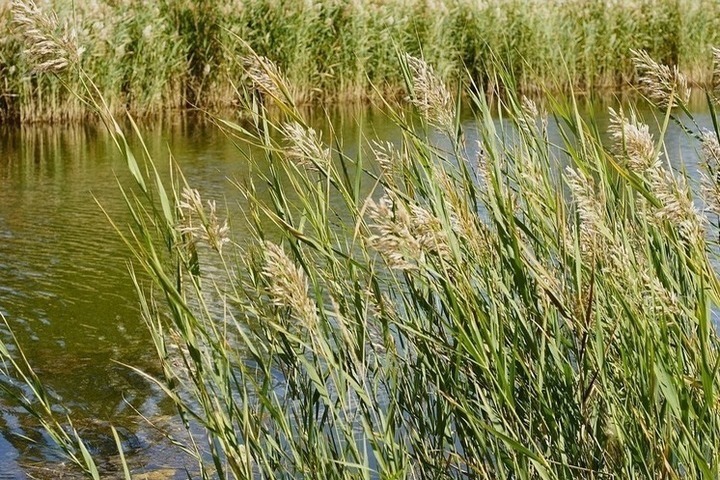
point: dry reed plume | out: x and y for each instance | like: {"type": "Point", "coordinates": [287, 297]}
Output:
{"type": "Point", "coordinates": [429, 94]}
{"type": "Point", "coordinates": [200, 225]}
{"type": "Point", "coordinates": [266, 76]}
{"type": "Point", "coordinates": [406, 235]}
{"type": "Point", "coordinates": [51, 46]}
{"type": "Point", "coordinates": [288, 285]}
{"type": "Point", "coordinates": [305, 147]}
{"type": "Point", "coordinates": [634, 140]}
{"type": "Point", "coordinates": [663, 85]}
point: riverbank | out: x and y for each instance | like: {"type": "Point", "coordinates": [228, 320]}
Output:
{"type": "Point", "coordinates": [150, 57]}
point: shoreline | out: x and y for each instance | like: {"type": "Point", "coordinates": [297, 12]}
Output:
{"type": "Point", "coordinates": [152, 58]}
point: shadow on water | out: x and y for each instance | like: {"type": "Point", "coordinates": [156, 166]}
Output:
{"type": "Point", "coordinates": [64, 282]}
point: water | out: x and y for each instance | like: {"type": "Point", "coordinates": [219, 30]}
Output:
{"type": "Point", "coordinates": [65, 288]}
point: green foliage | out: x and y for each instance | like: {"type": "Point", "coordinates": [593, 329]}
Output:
{"type": "Point", "coordinates": [150, 57]}
{"type": "Point", "coordinates": [429, 310]}
{"type": "Point", "coordinates": [479, 304]}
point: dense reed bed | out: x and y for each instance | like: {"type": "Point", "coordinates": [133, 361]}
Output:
{"type": "Point", "coordinates": [462, 304]}
{"type": "Point", "coordinates": [152, 56]}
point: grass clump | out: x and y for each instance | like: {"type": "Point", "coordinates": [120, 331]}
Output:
{"type": "Point", "coordinates": [514, 309]}
{"type": "Point", "coordinates": [466, 304]}
{"type": "Point", "coordinates": [150, 57]}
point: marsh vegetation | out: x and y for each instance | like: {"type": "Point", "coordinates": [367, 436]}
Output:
{"type": "Point", "coordinates": [149, 57]}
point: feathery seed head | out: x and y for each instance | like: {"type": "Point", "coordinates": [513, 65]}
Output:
{"type": "Point", "coordinates": [588, 207]}
{"type": "Point", "coordinates": [710, 149]}
{"type": "Point", "coordinates": [209, 228]}
{"type": "Point", "coordinates": [386, 156]}
{"type": "Point", "coordinates": [676, 205]}
{"type": "Point", "coordinates": [147, 32]}
{"type": "Point", "coordinates": [659, 299]}
{"type": "Point", "coordinates": [190, 201]}
{"type": "Point", "coordinates": [406, 235]}
{"type": "Point", "coordinates": [634, 140]}
{"type": "Point", "coordinates": [392, 238]}
{"type": "Point", "coordinates": [50, 45]}
{"type": "Point", "coordinates": [663, 85]}
{"type": "Point", "coordinates": [529, 107]}
{"type": "Point", "coordinates": [287, 285]}
{"type": "Point", "coordinates": [265, 76]}
{"type": "Point", "coordinates": [305, 147]}
{"type": "Point", "coordinates": [484, 166]}
{"type": "Point", "coordinates": [716, 67]}
{"type": "Point", "coordinates": [215, 233]}
{"type": "Point", "coordinates": [430, 95]}
{"type": "Point", "coordinates": [527, 116]}
{"type": "Point", "coordinates": [710, 175]}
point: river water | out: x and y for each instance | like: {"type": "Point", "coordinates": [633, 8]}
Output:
{"type": "Point", "coordinates": [65, 289]}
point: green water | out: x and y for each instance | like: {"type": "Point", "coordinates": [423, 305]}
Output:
{"type": "Point", "coordinates": [65, 289]}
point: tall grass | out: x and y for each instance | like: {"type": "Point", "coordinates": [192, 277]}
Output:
{"type": "Point", "coordinates": [462, 305]}
{"type": "Point", "coordinates": [149, 57]}
{"type": "Point", "coordinates": [439, 311]}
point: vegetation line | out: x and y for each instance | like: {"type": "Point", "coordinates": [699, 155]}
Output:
{"type": "Point", "coordinates": [150, 56]}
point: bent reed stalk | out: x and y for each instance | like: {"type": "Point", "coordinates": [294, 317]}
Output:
{"type": "Point", "coordinates": [150, 57]}
{"type": "Point", "coordinates": [520, 311]}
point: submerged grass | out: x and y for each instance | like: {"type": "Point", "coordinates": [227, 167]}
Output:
{"type": "Point", "coordinates": [151, 56]}
{"type": "Point", "coordinates": [514, 309]}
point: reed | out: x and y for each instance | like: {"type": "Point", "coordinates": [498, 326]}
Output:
{"type": "Point", "coordinates": [151, 57]}
{"type": "Point", "coordinates": [426, 310]}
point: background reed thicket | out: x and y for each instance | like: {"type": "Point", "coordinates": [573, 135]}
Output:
{"type": "Point", "coordinates": [151, 56]}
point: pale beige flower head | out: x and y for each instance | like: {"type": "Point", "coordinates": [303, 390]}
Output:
{"type": "Point", "coordinates": [392, 237]}
{"type": "Point", "coordinates": [305, 147]}
{"type": "Point", "coordinates": [530, 118]}
{"type": "Point", "coordinates": [529, 108]}
{"type": "Point", "coordinates": [266, 76]}
{"type": "Point", "coordinates": [589, 208]}
{"type": "Point", "coordinates": [657, 297]}
{"type": "Point", "coordinates": [483, 164]}
{"type": "Point", "coordinates": [526, 116]}
{"type": "Point", "coordinates": [710, 175]}
{"type": "Point", "coordinates": [716, 67]}
{"type": "Point", "coordinates": [288, 285]}
{"type": "Point", "coordinates": [710, 148]}
{"type": "Point", "coordinates": [406, 235]}
{"type": "Point", "coordinates": [676, 205]}
{"type": "Point", "coordinates": [387, 156]}
{"type": "Point", "coordinates": [430, 95]}
{"type": "Point", "coordinates": [663, 85]}
{"type": "Point", "coordinates": [50, 45]}
{"type": "Point", "coordinates": [199, 224]}
{"type": "Point", "coordinates": [634, 140]}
